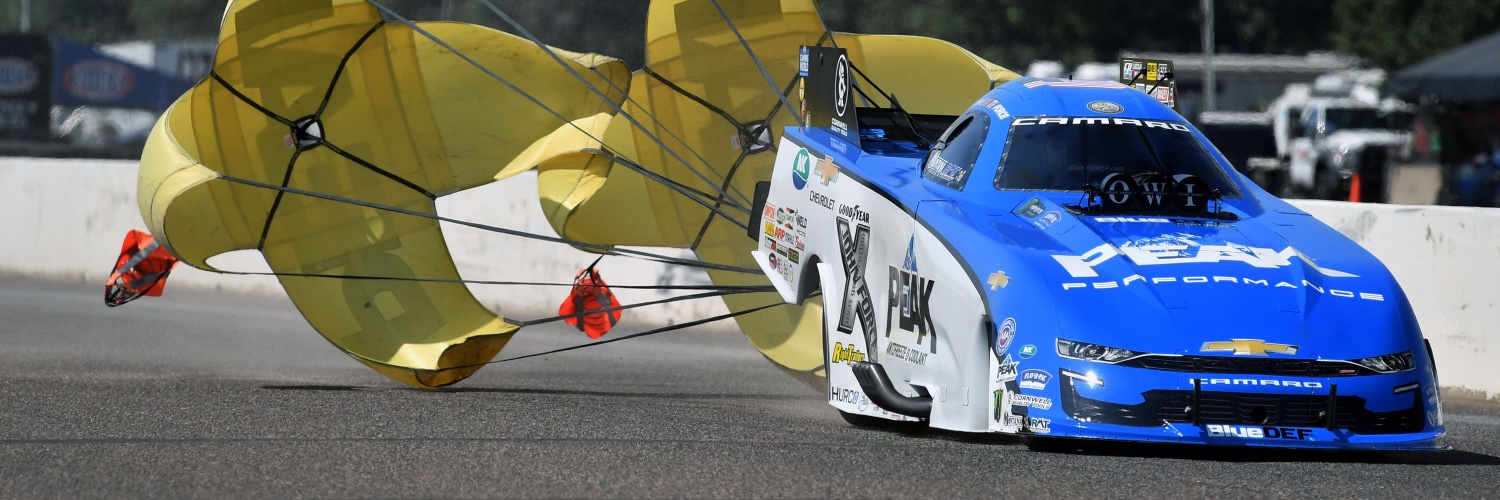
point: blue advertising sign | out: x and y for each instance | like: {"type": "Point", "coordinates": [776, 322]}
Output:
{"type": "Point", "coordinates": [83, 76]}
{"type": "Point", "coordinates": [25, 100]}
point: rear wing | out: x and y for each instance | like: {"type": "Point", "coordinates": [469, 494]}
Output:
{"type": "Point", "coordinates": [831, 92]}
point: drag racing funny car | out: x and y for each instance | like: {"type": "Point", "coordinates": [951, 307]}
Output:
{"type": "Point", "coordinates": [1073, 259]}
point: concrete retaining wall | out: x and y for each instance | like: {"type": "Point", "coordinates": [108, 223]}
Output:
{"type": "Point", "coordinates": [66, 218]}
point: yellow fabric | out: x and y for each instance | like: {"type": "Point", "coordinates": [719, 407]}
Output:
{"type": "Point", "coordinates": [424, 116]}
{"type": "Point", "coordinates": [404, 105]}
{"type": "Point", "coordinates": [689, 43]}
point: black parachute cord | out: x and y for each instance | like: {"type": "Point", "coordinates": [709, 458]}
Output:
{"type": "Point", "coordinates": [737, 288]}
{"type": "Point", "coordinates": [693, 97]}
{"type": "Point", "coordinates": [708, 221]}
{"type": "Point", "coordinates": [286, 180]}
{"type": "Point", "coordinates": [251, 102]}
{"type": "Point", "coordinates": [606, 249]}
{"type": "Point", "coordinates": [548, 50]}
{"type": "Point", "coordinates": [767, 74]}
{"type": "Point", "coordinates": [765, 125]}
{"type": "Point", "coordinates": [533, 99]}
{"type": "Point", "coordinates": [371, 166]}
{"type": "Point", "coordinates": [618, 108]}
{"type": "Point", "coordinates": [671, 184]}
{"type": "Point", "coordinates": [655, 331]}
{"type": "Point", "coordinates": [339, 71]}
{"type": "Point", "coordinates": [679, 298]}
{"type": "Point", "coordinates": [322, 140]}
{"type": "Point", "coordinates": [659, 123]}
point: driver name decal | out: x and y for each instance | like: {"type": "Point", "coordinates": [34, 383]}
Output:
{"type": "Point", "coordinates": [855, 246]}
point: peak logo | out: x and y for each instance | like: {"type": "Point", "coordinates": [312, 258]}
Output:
{"type": "Point", "coordinates": [1187, 252]}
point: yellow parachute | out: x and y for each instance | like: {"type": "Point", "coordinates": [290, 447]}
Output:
{"type": "Point", "coordinates": [326, 131]}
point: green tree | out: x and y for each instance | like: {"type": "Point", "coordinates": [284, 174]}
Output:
{"type": "Point", "coordinates": [1394, 34]}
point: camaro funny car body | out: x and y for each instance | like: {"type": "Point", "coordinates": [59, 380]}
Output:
{"type": "Point", "coordinates": [1073, 259]}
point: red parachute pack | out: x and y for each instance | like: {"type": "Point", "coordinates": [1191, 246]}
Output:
{"type": "Point", "coordinates": [141, 269]}
{"type": "Point", "coordinates": [586, 305]}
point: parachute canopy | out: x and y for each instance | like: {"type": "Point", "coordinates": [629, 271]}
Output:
{"type": "Point", "coordinates": [326, 131]}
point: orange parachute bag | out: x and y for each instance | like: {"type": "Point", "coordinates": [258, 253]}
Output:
{"type": "Point", "coordinates": [590, 307]}
{"type": "Point", "coordinates": [141, 269]}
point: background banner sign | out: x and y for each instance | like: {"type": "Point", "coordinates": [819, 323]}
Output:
{"type": "Point", "coordinates": [25, 86]}
{"type": "Point", "coordinates": [86, 77]}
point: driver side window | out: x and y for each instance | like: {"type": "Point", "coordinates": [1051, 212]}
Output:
{"type": "Point", "coordinates": [952, 158]}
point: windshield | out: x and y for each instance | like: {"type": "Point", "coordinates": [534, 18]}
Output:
{"type": "Point", "coordinates": [1353, 118]}
{"type": "Point", "coordinates": [1064, 154]}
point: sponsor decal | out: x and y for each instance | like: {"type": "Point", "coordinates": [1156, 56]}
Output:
{"type": "Point", "coordinates": [1031, 209]}
{"type": "Point", "coordinates": [993, 104]}
{"type": "Point", "coordinates": [1248, 347]}
{"type": "Point", "coordinates": [1186, 249]}
{"type": "Point", "coordinates": [18, 76]}
{"type": "Point", "coordinates": [802, 58]}
{"type": "Point", "coordinates": [1027, 351]}
{"type": "Point", "coordinates": [854, 214]}
{"type": "Point", "coordinates": [1106, 107]}
{"type": "Point", "coordinates": [907, 302]}
{"type": "Point", "coordinates": [820, 199]}
{"type": "Point", "coordinates": [1033, 424]}
{"type": "Point", "coordinates": [827, 171]}
{"type": "Point", "coordinates": [849, 396]}
{"type": "Point", "coordinates": [1048, 219]}
{"type": "Point", "coordinates": [842, 395]}
{"type": "Point", "coordinates": [1040, 403]}
{"type": "Point", "coordinates": [801, 169]}
{"type": "Point", "coordinates": [854, 245]}
{"type": "Point", "coordinates": [1035, 379]}
{"type": "Point", "coordinates": [770, 229]}
{"type": "Point", "coordinates": [1136, 278]}
{"type": "Point", "coordinates": [846, 354]}
{"type": "Point", "coordinates": [907, 354]}
{"type": "Point", "coordinates": [1156, 220]}
{"type": "Point", "coordinates": [841, 86]}
{"type": "Point", "coordinates": [1258, 432]}
{"type": "Point", "coordinates": [1006, 372]}
{"type": "Point", "coordinates": [1098, 120]}
{"type": "Point", "coordinates": [99, 80]}
{"type": "Point", "coordinates": [1263, 382]}
{"type": "Point", "coordinates": [1004, 333]}
{"type": "Point", "coordinates": [998, 280]}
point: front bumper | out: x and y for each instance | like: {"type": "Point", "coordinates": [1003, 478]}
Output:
{"type": "Point", "coordinates": [1382, 412]}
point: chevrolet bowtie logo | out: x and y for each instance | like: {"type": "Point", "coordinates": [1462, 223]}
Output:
{"type": "Point", "coordinates": [1249, 347]}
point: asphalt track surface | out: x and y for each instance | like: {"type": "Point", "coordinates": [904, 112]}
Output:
{"type": "Point", "coordinates": [202, 395]}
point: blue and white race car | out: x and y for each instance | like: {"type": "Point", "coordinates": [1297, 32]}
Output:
{"type": "Point", "coordinates": [1073, 259]}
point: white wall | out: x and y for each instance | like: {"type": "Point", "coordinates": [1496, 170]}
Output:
{"type": "Point", "coordinates": [66, 218]}
{"type": "Point", "coordinates": [1447, 259]}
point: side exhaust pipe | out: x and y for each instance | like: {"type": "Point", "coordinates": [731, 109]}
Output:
{"type": "Point", "coordinates": [877, 385]}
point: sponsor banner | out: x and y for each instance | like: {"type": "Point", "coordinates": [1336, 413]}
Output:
{"type": "Point", "coordinates": [25, 87]}
{"type": "Point", "coordinates": [83, 76]}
